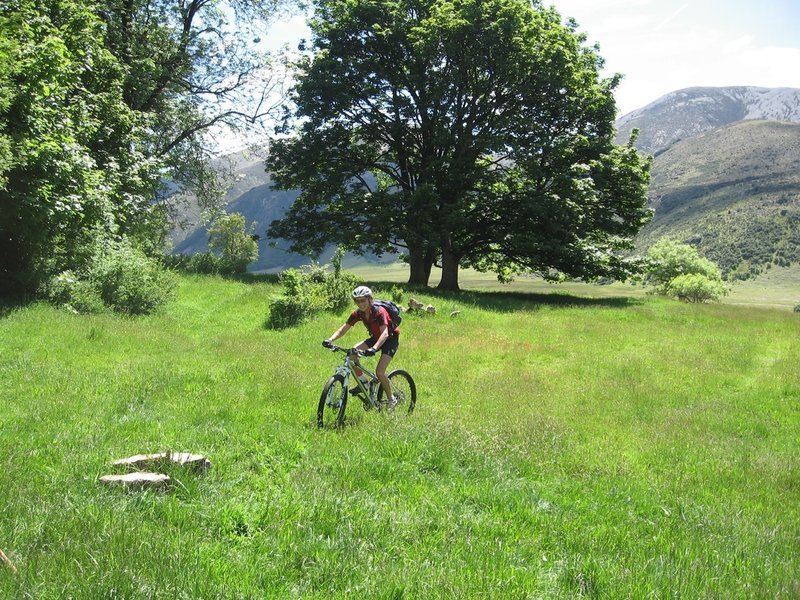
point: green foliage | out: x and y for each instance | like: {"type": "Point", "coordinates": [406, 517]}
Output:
{"type": "Point", "coordinates": [75, 172]}
{"type": "Point", "coordinates": [479, 133]}
{"type": "Point", "coordinates": [310, 290]}
{"type": "Point", "coordinates": [204, 263]}
{"type": "Point", "coordinates": [797, 308]}
{"type": "Point", "coordinates": [100, 102]}
{"type": "Point", "coordinates": [397, 295]}
{"type": "Point", "coordinates": [669, 260]}
{"type": "Point", "coordinates": [70, 291]}
{"type": "Point", "coordinates": [119, 277]}
{"type": "Point", "coordinates": [130, 282]}
{"type": "Point", "coordinates": [229, 238]}
{"type": "Point", "coordinates": [696, 288]}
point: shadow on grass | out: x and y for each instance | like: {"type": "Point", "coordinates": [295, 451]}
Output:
{"type": "Point", "coordinates": [501, 301]}
{"type": "Point", "coordinates": [9, 305]}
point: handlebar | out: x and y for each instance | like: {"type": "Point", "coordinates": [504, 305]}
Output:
{"type": "Point", "coordinates": [348, 351]}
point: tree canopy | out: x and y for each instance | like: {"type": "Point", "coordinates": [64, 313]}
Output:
{"type": "Point", "coordinates": [101, 103]}
{"type": "Point", "coordinates": [472, 133]}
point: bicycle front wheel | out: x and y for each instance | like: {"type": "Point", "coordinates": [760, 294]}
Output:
{"type": "Point", "coordinates": [404, 390]}
{"type": "Point", "coordinates": [332, 403]}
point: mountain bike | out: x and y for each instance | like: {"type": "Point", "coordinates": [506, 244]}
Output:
{"type": "Point", "coordinates": [333, 401]}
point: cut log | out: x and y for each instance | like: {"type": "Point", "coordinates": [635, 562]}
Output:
{"type": "Point", "coordinates": [197, 462]}
{"type": "Point", "coordinates": [414, 304]}
{"type": "Point", "coordinates": [157, 481]}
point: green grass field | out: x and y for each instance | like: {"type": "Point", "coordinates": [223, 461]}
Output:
{"type": "Point", "coordinates": [563, 446]}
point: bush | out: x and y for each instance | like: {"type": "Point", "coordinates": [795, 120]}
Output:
{"type": "Point", "coordinates": [797, 308]}
{"type": "Point", "coordinates": [696, 288]}
{"type": "Point", "coordinates": [669, 261]}
{"type": "Point", "coordinates": [309, 290]}
{"type": "Point", "coordinates": [204, 263]}
{"type": "Point", "coordinates": [73, 293]}
{"type": "Point", "coordinates": [398, 295]}
{"type": "Point", "coordinates": [129, 281]}
{"type": "Point", "coordinates": [118, 277]}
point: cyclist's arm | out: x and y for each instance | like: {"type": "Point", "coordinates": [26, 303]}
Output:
{"type": "Point", "coordinates": [340, 332]}
{"type": "Point", "coordinates": [381, 338]}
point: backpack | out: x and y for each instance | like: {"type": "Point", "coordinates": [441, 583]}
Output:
{"type": "Point", "coordinates": [392, 309]}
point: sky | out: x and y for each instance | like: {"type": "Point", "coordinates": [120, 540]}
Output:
{"type": "Point", "coordinates": [665, 45]}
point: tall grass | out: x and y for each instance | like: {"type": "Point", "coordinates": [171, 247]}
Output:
{"type": "Point", "coordinates": [562, 447]}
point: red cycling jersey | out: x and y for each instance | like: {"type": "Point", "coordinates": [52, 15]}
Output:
{"type": "Point", "coordinates": [373, 320]}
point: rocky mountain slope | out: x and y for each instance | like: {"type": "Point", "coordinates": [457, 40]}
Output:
{"type": "Point", "coordinates": [689, 112]}
{"type": "Point", "coordinates": [734, 192]}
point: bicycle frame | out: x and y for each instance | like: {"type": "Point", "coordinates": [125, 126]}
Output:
{"type": "Point", "coordinates": [348, 367]}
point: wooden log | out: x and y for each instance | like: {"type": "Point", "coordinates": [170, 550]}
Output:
{"type": "Point", "coordinates": [197, 462]}
{"type": "Point", "coordinates": [142, 480]}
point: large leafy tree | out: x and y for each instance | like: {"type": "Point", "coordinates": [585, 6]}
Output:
{"type": "Point", "coordinates": [475, 132]}
{"type": "Point", "coordinates": [71, 168]}
{"type": "Point", "coordinates": [192, 68]}
{"type": "Point", "coordinates": [101, 102]}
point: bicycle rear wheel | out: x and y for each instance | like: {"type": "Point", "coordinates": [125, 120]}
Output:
{"type": "Point", "coordinates": [404, 390]}
{"type": "Point", "coordinates": [332, 403]}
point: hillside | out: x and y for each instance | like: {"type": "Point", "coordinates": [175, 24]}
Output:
{"type": "Point", "coordinates": [734, 192]}
{"type": "Point", "coordinates": [252, 195]}
{"type": "Point", "coordinates": [690, 112]}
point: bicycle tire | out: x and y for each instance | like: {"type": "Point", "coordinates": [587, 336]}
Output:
{"type": "Point", "coordinates": [332, 403]}
{"type": "Point", "coordinates": [403, 386]}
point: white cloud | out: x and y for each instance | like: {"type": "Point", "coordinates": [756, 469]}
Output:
{"type": "Point", "coordinates": [665, 45]}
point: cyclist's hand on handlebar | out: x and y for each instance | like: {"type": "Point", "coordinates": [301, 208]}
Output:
{"type": "Point", "coordinates": [327, 344]}
{"type": "Point", "coordinates": [369, 352]}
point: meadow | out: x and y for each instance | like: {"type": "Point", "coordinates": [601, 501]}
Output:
{"type": "Point", "coordinates": [564, 445]}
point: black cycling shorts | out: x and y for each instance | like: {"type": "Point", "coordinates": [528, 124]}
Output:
{"type": "Point", "coordinates": [389, 346]}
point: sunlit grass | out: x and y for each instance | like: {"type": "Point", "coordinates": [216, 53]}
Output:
{"type": "Point", "coordinates": [563, 446]}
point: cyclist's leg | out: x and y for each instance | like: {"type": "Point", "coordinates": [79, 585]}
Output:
{"type": "Point", "coordinates": [388, 350]}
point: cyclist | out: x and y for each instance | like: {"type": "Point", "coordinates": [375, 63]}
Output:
{"type": "Point", "coordinates": [381, 335]}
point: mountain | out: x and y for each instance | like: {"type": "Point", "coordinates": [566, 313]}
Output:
{"type": "Point", "coordinates": [690, 112]}
{"type": "Point", "coordinates": [734, 193]}
{"type": "Point", "coordinates": [251, 195]}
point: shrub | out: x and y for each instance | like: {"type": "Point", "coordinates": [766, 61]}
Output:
{"type": "Point", "coordinates": [119, 277]}
{"type": "Point", "coordinates": [398, 295]}
{"type": "Point", "coordinates": [68, 290]}
{"type": "Point", "coordinates": [130, 282]}
{"type": "Point", "coordinates": [696, 288]}
{"type": "Point", "coordinates": [309, 290]}
{"type": "Point", "coordinates": [204, 263]}
{"type": "Point", "coordinates": [669, 260]}
{"type": "Point", "coordinates": [797, 308]}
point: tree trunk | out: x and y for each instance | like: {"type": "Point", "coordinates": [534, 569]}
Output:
{"type": "Point", "coordinates": [420, 269]}
{"type": "Point", "coordinates": [450, 262]}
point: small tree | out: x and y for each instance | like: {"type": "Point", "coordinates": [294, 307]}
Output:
{"type": "Point", "coordinates": [696, 288]}
{"type": "Point", "coordinates": [676, 269]}
{"type": "Point", "coordinates": [230, 239]}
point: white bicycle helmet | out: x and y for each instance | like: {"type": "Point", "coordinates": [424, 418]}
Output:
{"type": "Point", "coordinates": [362, 291]}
